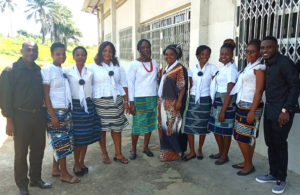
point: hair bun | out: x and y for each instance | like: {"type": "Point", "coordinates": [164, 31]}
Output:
{"type": "Point", "coordinates": [230, 42]}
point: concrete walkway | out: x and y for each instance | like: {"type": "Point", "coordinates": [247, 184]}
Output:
{"type": "Point", "coordinates": [148, 175]}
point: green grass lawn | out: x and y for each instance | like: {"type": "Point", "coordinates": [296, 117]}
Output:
{"type": "Point", "coordinates": [10, 51]}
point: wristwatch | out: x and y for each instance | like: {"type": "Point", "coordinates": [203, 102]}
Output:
{"type": "Point", "coordinates": [283, 110]}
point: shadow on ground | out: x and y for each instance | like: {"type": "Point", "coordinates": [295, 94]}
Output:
{"type": "Point", "coordinates": [148, 175]}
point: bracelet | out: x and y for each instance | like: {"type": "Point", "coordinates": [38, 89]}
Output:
{"type": "Point", "coordinates": [125, 102]}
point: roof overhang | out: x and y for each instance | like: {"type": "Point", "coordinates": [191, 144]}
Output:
{"type": "Point", "coordinates": [91, 5]}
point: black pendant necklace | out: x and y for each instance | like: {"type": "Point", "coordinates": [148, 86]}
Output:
{"type": "Point", "coordinates": [200, 73]}
{"type": "Point", "coordinates": [111, 73]}
{"type": "Point", "coordinates": [81, 82]}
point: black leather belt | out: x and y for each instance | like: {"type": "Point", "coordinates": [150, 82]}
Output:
{"type": "Point", "coordinates": [29, 110]}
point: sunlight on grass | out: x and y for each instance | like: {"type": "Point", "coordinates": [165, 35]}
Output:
{"type": "Point", "coordinates": [10, 51]}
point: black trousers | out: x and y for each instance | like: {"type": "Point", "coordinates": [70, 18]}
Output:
{"type": "Point", "coordinates": [30, 131]}
{"type": "Point", "coordinates": [276, 140]}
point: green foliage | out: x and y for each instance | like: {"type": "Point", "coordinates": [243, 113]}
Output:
{"type": "Point", "coordinates": [10, 51]}
{"type": "Point", "coordinates": [55, 19]}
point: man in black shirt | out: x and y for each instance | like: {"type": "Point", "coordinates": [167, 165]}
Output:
{"type": "Point", "coordinates": [21, 102]}
{"type": "Point", "coordinates": [282, 91]}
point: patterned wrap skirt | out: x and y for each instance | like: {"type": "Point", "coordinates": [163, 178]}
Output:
{"type": "Point", "coordinates": [61, 138]}
{"type": "Point", "coordinates": [86, 125]}
{"type": "Point", "coordinates": [111, 114]}
{"type": "Point", "coordinates": [145, 119]}
{"type": "Point", "coordinates": [214, 125]}
{"type": "Point", "coordinates": [195, 118]}
{"type": "Point", "coordinates": [246, 132]}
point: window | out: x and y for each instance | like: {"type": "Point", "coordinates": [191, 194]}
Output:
{"type": "Point", "coordinates": [174, 28]}
{"type": "Point", "coordinates": [125, 36]}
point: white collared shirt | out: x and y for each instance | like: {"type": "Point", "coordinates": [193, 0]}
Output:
{"type": "Point", "coordinates": [102, 86]}
{"type": "Point", "coordinates": [227, 74]}
{"type": "Point", "coordinates": [59, 88]}
{"type": "Point", "coordinates": [209, 70]}
{"type": "Point", "coordinates": [73, 77]}
{"type": "Point", "coordinates": [140, 82]}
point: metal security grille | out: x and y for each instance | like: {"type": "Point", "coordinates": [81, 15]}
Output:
{"type": "Point", "coordinates": [259, 18]}
{"type": "Point", "coordinates": [125, 37]}
{"type": "Point", "coordinates": [172, 29]}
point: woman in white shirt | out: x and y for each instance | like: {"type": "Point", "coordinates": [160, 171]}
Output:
{"type": "Point", "coordinates": [195, 119]}
{"type": "Point", "coordinates": [86, 122]}
{"type": "Point", "coordinates": [142, 92]}
{"type": "Point", "coordinates": [249, 89]}
{"type": "Point", "coordinates": [59, 102]}
{"type": "Point", "coordinates": [221, 118]}
{"type": "Point", "coordinates": [110, 97]}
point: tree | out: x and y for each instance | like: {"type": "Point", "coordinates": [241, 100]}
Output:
{"type": "Point", "coordinates": [42, 11]}
{"type": "Point", "coordinates": [63, 27]}
{"type": "Point", "coordinates": [8, 5]}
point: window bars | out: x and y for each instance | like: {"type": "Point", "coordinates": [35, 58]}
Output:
{"type": "Point", "coordinates": [171, 29]}
{"type": "Point", "coordinates": [260, 18]}
{"type": "Point", "coordinates": [125, 37]}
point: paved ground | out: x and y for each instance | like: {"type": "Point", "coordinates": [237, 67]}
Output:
{"type": "Point", "coordinates": [148, 175]}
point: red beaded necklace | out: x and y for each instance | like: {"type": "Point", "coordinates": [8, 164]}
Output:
{"type": "Point", "coordinates": [151, 66]}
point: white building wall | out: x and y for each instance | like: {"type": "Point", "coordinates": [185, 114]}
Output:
{"type": "Point", "coordinates": [125, 11]}
{"type": "Point", "coordinates": [220, 27]}
{"type": "Point", "coordinates": [152, 8]}
{"type": "Point", "coordinates": [107, 25]}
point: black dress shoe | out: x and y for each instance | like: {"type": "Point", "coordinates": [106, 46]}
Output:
{"type": "Point", "coordinates": [24, 192]}
{"type": "Point", "coordinates": [41, 184]}
{"type": "Point", "coordinates": [240, 173]}
{"type": "Point", "coordinates": [187, 159]}
{"type": "Point", "coordinates": [78, 173]}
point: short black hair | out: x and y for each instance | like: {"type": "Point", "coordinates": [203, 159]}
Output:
{"type": "Point", "coordinates": [228, 46]}
{"type": "Point", "coordinates": [176, 48]}
{"type": "Point", "coordinates": [56, 45]}
{"type": "Point", "coordinates": [256, 43]}
{"type": "Point", "coordinates": [77, 48]}
{"type": "Point", "coordinates": [99, 58]}
{"type": "Point", "coordinates": [202, 48]}
{"type": "Point", "coordinates": [270, 38]}
{"type": "Point", "coordinates": [139, 44]}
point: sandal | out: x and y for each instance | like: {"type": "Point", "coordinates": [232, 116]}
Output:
{"type": "Point", "coordinates": [78, 173]}
{"type": "Point", "coordinates": [148, 153]}
{"type": "Point", "coordinates": [106, 160]}
{"type": "Point", "coordinates": [132, 156]}
{"type": "Point", "coordinates": [85, 170]}
{"type": "Point", "coordinates": [123, 160]}
{"type": "Point", "coordinates": [72, 181]}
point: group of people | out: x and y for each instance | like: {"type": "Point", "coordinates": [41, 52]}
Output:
{"type": "Point", "coordinates": [78, 105]}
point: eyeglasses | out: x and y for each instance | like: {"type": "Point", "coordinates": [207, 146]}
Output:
{"type": "Point", "coordinates": [250, 51]}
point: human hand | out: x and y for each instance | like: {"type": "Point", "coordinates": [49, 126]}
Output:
{"type": "Point", "coordinates": [132, 108]}
{"type": "Point", "coordinates": [126, 108]}
{"type": "Point", "coordinates": [55, 122]}
{"type": "Point", "coordinates": [222, 116]}
{"type": "Point", "coordinates": [283, 118]}
{"type": "Point", "coordinates": [250, 117]}
{"type": "Point", "coordinates": [10, 129]}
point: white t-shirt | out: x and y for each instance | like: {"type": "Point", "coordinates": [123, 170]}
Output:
{"type": "Point", "coordinates": [201, 84]}
{"type": "Point", "coordinates": [140, 82]}
{"type": "Point", "coordinates": [105, 85]}
{"type": "Point", "coordinates": [74, 76]}
{"type": "Point", "coordinates": [227, 74]}
{"type": "Point", "coordinates": [59, 93]}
